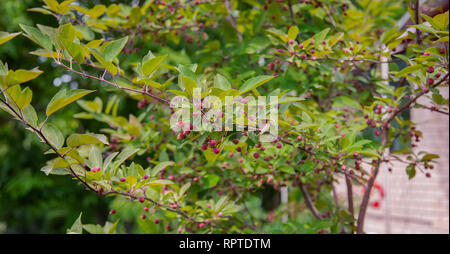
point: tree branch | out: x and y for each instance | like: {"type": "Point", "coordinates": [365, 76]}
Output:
{"type": "Point", "coordinates": [308, 201]}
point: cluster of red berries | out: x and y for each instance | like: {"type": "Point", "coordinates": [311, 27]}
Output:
{"type": "Point", "coordinates": [210, 143]}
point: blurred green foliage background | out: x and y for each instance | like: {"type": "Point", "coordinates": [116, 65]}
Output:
{"type": "Point", "coordinates": [30, 201]}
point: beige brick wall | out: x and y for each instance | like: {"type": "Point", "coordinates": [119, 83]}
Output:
{"type": "Point", "coordinates": [420, 205]}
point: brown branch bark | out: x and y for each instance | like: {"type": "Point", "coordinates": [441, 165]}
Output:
{"type": "Point", "coordinates": [368, 188]}
{"type": "Point", "coordinates": [351, 210]}
{"type": "Point", "coordinates": [416, 20]}
{"type": "Point", "coordinates": [308, 201]}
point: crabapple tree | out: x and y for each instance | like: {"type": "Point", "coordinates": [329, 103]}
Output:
{"type": "Point", "coordinates": [344, 76]}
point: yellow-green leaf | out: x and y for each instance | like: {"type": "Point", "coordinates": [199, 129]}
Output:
{"type": "Point", "coordinates": [53, 135]}
{"type": "Point", "coordinates": [112, 49]}
{"type": "Point", "coordinates": [64, 98]}
{"type": "Point", "coordinates": [22, 76]}
{"type": "Point", "coordinates": [152, 64]}
{"type": "Point", "coordinates": [37, 36]}
{"type": "Point", "coordinates": [75, 140]}
{"type": "Point", "coordinates": [293, 32]}
{"type": "Point", "coordinates": [254, 83]}
{"type": "Point", "coordinates": [4, 36]}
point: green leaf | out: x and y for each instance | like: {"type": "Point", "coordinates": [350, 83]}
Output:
{"type": "Point", "coordinates": [53, 135]}
{"type": "Point", "coordinates": [287, 169]}
{"type": "Point", "coordinates": [40, 10]}
{"type": "Point", "coordinates": [426, 28]}
{"type": "Point", "coordinates": [277, 34]}
{"type": "Point", "coordinates": [319, 37]}
{"type": "Point", "coordinates": [106, 64]}
{"type": "Point", "coordinates": [20, 98]}
{"type": "Point", "coordinates": [188, 84]}
{"type": "Point", "coordinates": [109, 159]}
{"type": "Point", "coordinates": [160, 167]}
{"type": "Point", "coordinates": [221, 203]}
{"type": "Point", "coordinates": [160, 182]}
{"type": "Point", "coordinates": [112, 49]}
{"type": "Point", "coordinates": [429, 157]}
{"type": "Point", "coordinates": [39, 38]}
{"type": "Point", "coordinates": [293, 32]}
{"type": "Point", "coordinates": [111, 229]}
{"type": "Point", "coordinates": [284, 100]}
{"type": "Point", "coordinates": [210, 180]}
{"type": "Point", "coordinates": [346, 101]}
{"type": "Point", "coordinates": [3, 69]}
{"type": "Point", "coordinates": [95, 157]}
{"type": "Point", "coordinates": [409, 69]}
{"type": "Point", "coordinates": [94, 229]}
{"type": "Point", "coordinates": [254, 83]}
{"type": "Point", "coordinates": [60, 163]}
{"type": "Point", "coordinates": [183, 189]}
{"type": "Point", "coordinates": [29, 115]}
{"type": "Point", "coordinates": [124, 155]}
{"type": "Point", "coordinates": [221, 82]}
{"type": "Point", "coordinates": [4, 36]}
{"type": "Point", "coordinates": [77, 226]}
{"type": "Point", "coordinates": [441, 21]}
{"type": "Point", "coordinates": [411, 170]}
{"type": "Point", "coordinates": [64, 98]}
{"type": "Point", "coordinates": [75, 140]}
{"type": "Point", "coordinates": [149, 66]}
{"type": "Point", "coordinates": [21, 76]}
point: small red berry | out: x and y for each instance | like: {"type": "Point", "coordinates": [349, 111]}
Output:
{"type": "Point", "coordinates": [146, 209]}
{"type": "Point", "coordinates": [141, 199]}
{"type": "Point", "coordinates": [430, 69]}
{"type": "Point", "coordinates": [430, 81]}
{"type": "Point", "coordinates": [156, 221]}
{"type": "Point", "coordinates": [113, 211]}
{"type": "Point", "coordinates": [145, 176]}
{"type": "Point", "coordinates": [235, 141]}
{"type": "Point", "coordinates": [122, 179]}
{"type": "Point", "coordinates": [212, 143]}
{"type": "Point", "coordinates": [442, 51]}
{"type": "Point", "coordinates": [143, 216]}
{"type": "Point", "coordinates": [204, 147]}
{"type": "Point", "coordinates": [216, 150]}
{"type": "Point", "coordinates": [256, 155]}
{"type": "Point", "coordinates": [279, 145]}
